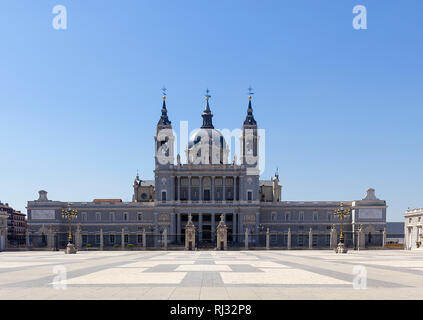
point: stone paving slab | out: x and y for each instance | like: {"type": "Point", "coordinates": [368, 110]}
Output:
{"type": "Point", "coordinates": [217, 275]}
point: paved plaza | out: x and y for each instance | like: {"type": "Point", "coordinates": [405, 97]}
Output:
{"type": "Point", "coordinates": [307, 274]}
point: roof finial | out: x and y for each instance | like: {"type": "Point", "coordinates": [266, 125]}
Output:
{"type": "Point", "coordinates": [208, 96]}
{"type": "Point", "coordinates": [250, 92]}
{"type": "Point", "coordinates": [164, 92]}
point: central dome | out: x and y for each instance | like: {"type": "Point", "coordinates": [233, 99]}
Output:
{"type": "Point", "coordinates": [207, 146]}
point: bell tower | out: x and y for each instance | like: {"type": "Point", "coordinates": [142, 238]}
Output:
{"type": "Point", "coordinates": [164, 139]}
{"type": "Point", "coordinates": [249, 138]}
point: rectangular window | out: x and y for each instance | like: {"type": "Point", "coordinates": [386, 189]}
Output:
{"type": "Point", "coordinates": [301, 216]}
{"type": "Point", "coordinates": [274, 216]}
{"type": "Point", "coordinates": [315, 216]}
{"type": "Point", "coordinates": [163, 195]}
{"type": "Point", "coordinates": [287, 217]}
{"type": "Point", "coordinates": [139, 216]}
{"type": "Point", "coordinates": [112, 216]}
{"type": "Point", "coordinates": [125, 216]}
{"type": "Point", "coordinates": [97, 238]}
{"type": "Point", "coordinates": [112, 238]}
{"type": "Point", "coordinates": [126, 238]}
{"type": "Point", "coordinates": [98, 216]}
{"type": "Point", "coordinates": [250, 195]}
{"type": "Point", "coordinates": [84, 216]}
{"type": "Point", "coordinates": [139, 238]}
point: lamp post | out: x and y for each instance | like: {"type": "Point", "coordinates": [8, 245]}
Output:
{"type": "Point", "coordinates": [70, 214]}
{"type": "Point", "coordinates": [341, 212]}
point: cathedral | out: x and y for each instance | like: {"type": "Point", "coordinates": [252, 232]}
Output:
{"type": "Point", "coordinates": [205, 190]}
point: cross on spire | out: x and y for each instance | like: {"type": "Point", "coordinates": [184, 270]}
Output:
{"type": "Point", "coordinates": [208, 96]}
{"type": "Point", "coordinates": [250, 92]}
{"type": "Point", "coordinates": [164, 92]}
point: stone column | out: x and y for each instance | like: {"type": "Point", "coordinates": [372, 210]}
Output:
{"type": "Point", "coordinates": [50, 238]}
{"type": "Point", "coordinates": [212, 189]}
{"type": "Point", "coordinates": [101, 240]}
{"type": "Point", "coordinates": [234, 228]}
{"type": "Point", "coordinates": [189, 188]}
{"type": "Point", "coordinates": [172, 227]}
{"type": "Point", "coordinates": [240, 226]}
{"type": "Point", "coordinates": [289, 239]}
{"type": "Point", "coordinates": [179, 189]}
{"type": "Point", "coordinates": [179, 228]}
{"type": "Point", "coordinates": [235, 189]}
{"type": "Point", "coordinates": [257, 222]}
{"type": "Point", "coordinates": [144, 239]}
{"type": "Point", "coordinates": [267, 239]}
{"type": "Point", "coordinates": [246, 239]}
{"type": "Point", "coordinates": [200, 227]}
{"type": "Point", "coordinates": [310, 239]}
{"type": "Point", "coordinates": [78, 237]}
{"type": "Point", "coordinates": [165, 238]}
{"type": "Point", "coordinates": [384, 238]}
{"type": "Point", "coordinates": [201, 193]}
{"type": "Point", "coordinates": [213, 226]}
{"type": "Point", "coordinates": [224, 189]}
{"type": "Point", "coordinates": [333, 237]}
{"type": "Point", "coordinates": [123, 239]}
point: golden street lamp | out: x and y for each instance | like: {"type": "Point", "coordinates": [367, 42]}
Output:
{"type": "Point", "coordinates": [341, 212]}
{"type": "Point", "coordinates": [70, 214]}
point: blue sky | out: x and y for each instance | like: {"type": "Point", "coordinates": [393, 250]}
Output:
{"type": "Point", "coordinates": [342, 108]}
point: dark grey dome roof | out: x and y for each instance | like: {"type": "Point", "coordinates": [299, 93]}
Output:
{"type": "Point", "coordinates": [211, 136]}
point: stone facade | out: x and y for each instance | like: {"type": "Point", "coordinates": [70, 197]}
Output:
{"type": "Point", "coordinates": [3, 230]}
{"type": "Point", "coordinates": [206, 187]}
{"type": "Point", "coordinates": [413, 233]}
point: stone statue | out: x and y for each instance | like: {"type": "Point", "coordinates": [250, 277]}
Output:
{"type": "Point", "coordinates": [178, 159]}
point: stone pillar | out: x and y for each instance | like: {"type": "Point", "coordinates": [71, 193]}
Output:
{"type": "Point", "coordinates": [172, 228]}
{"type": "Point", "coordinates": [246, 239]}
{"type": "Point", "coordinates": [179, 189]}
{"type": "Point", "coordinates": [224, 189]}
{"type": "Point", "coordinates": [190, 234]}
{"type": "Point", "coordinates": [123, 239]}
{"type": "Point", "coordinates": [384, 238]}
{"type": "Point", "coordinates": [234, 227]}
{"type": "Point", "coordinates": [289, 239]}
{"type": "Point", "coordinates": [189, 188]}
{"type": "Point", "coordinates": [240, 226]}
{"type": "Point", "coordinates": [333, 237]}
{"type": "Point", "coordinates": [212, 189]}
{"type": "Point", "coordinates": [235, 189]}
{"type": "Point", "coordinates": [201, 192]}
{"type": "Point", "coordinates": [257, 222]}
{"type": "Point", "coordinates": [179, 228]}
{"type": "Point", "coordinates": [144, 239]}
{"type": "Point", "coordinates": [222, 235]}
{"type": "Point", "coordinates": [310, 239]}
{"type": "Point", "coordinates": [165, 238]}
{"type": "Point", "coordinates": [50, 238]}
{"type": "Point", "coordinates": [101, 240]}
{"type": "Point", "coordinates": [78, 237]}
{"type": "Point", "coordinates": [200, 226]}
{"type": "Point", "coordinates": [267, 239]}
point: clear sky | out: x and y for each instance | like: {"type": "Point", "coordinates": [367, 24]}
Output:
{"type": "Point", "coordinates": [342, 108]}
